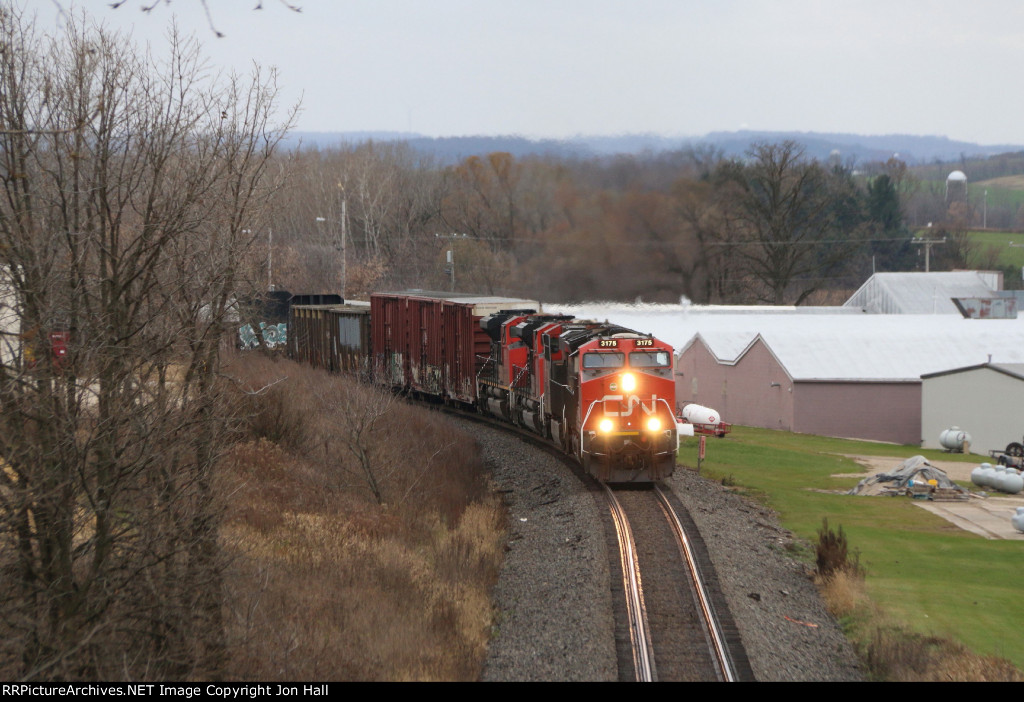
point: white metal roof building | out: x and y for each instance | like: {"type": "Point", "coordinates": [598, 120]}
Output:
{"type": "Point", "coordinates": [922, 293]}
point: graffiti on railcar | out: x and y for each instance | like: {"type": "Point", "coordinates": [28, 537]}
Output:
{"type": "Point", "coordinates": [273, 335]}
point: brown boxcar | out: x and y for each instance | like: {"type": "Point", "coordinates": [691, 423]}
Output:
{"type": "Point", "coordinates": [431, 343]}
{"type": "Point", "coordinates": [335, 337]}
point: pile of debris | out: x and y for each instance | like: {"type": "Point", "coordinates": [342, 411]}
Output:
{"type": "Point", "coordinates": [916, 478]}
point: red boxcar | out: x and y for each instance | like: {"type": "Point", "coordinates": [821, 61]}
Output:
{"type": "Point", "coordinates": [431, 343]}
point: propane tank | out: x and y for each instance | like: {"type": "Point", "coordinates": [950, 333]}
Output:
{"type": "Point", "coordinates": [954, 439]}
{"type": "Point", "coordinates": [1018, 519]}
{"type": "Point", "coordinates": [979, 476]}
{"type": "Point", "coordinates": [696, 414]}
{"type": "Point", "coordinates": [1013, 483]}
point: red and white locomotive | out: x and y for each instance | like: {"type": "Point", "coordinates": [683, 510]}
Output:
{"type": "Point", "coordinates": [600, 392]}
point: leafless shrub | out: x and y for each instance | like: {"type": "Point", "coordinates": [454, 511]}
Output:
{"type": "Point", "coordinates": [269, 408]}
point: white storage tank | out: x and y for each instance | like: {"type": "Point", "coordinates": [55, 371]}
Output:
{"type": "Point", "coordinates": [955, 439]}
{"type": "Point", "coordinates": [698, 414]}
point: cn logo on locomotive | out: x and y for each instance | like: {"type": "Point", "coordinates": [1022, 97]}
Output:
{"type": "Point", "coordinates": [633, 401]}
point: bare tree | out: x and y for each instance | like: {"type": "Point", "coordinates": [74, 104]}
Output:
{"type": "Point", "coordinates": [364, 434]}
{"type": "Point", "coordinates": [130, 190]}
{"type": "Point", "coordinates": [150, 5]}
{"type": "Point", "coordinates": [792, 219]}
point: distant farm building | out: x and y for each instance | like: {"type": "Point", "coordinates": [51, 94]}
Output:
{"type": "Point", "coordinates": [923, 293]}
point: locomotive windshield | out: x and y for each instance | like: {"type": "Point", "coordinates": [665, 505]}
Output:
{"type": "Point", "coordinates": [650, 359]}
{"type": "Point", "coordinates": [610, 359]}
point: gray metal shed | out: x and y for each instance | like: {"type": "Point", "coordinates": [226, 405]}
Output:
{"type": "Point", "coordinates": [983, 400]}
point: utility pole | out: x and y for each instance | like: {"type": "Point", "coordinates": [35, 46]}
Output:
{"type": "Point", "coordinates": [928, 248]}
{"type": "Point", "coordinates": [450, 255]}
{"type": "Point", "coordinates": [344, 236]}
{"type": "Point", "coordinates": [340, 245]}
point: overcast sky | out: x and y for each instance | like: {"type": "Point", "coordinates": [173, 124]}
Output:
{"type": "Point", "coordinates": [557, 68]}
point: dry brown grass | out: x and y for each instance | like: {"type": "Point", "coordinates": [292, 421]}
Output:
{"type": "Point", "coordinates": [328, 585]}
{"type": "Point", "coordinates": [843, 593]}
{"type": "Point", "coordinates": [898, 655]}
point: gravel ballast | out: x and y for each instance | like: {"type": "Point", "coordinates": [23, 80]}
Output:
{"type": "Point", "coordinates": [553, 599]}
{"type": "Point", "coordinates": [787, 632]}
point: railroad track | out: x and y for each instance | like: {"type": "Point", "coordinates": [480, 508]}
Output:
{"type": "Point", "coordinates": [674, 629]}
{"type": "Point", "coordinates": [636, 613]}
{"type": "Point", "coordinates": [670, 620]}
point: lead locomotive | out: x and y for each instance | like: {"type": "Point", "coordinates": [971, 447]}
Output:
{"type": "Point", "coordinates": [600, 392]}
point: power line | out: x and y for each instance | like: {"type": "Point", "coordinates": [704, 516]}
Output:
{"type": "Point", "coordinates": [545, 240]}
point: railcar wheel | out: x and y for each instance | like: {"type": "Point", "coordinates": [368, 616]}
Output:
{"type": "Point", "coordinates": [1015, 449]}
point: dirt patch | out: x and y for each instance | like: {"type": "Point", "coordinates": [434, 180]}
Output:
{"type": "Point", "coordinates": [985, 515]}
{"type": "Point", "coordinates": [883, 464]}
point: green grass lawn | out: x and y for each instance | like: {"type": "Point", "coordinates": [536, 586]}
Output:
{"type": "Point", "coordinates": [1002, 192]}
{"type": "Point", "coordinates": [1009, 245]}
{"type": "Point", "coordinates": [921, 570]}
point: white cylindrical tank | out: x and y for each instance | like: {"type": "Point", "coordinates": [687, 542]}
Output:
{"type": "Point", "coordinates": [1018, 519]}
{"type": "Point", "coordinates": [696, 414]}
{"type": "Point", "coordinates": [1013, 483]}
{"type": "Point", "coordinates": [984, 475]}
{"type": "Point", "coordinates": [954, 439]}
{"type": "Point", "coordinates": [978, 476]}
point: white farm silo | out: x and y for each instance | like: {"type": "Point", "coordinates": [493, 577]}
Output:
{"type": "Point", "coordinates": [956, 187]}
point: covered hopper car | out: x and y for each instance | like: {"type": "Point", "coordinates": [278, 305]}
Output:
{"type": "Point", "coordinates": [600, 392]}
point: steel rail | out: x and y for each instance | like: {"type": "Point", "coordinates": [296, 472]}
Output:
{"type": "Point", "coordinates": [714, 631]}
{"type": "Point", "coordinates": [639, 632]}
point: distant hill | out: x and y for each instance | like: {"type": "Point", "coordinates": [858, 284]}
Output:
{"type": "Point", "coordinates": [915, 150]}
{"type": "Point", "coordinates": [909, 148]}
{"type": "Point", "coordinates": [979, 169]}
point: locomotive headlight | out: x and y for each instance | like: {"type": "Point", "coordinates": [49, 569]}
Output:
{"type": "Point", "coordinates": [628, 382]}
{"type": "Point", "coordinates": [654, 424]}
{"type": "Point", "coordinates": [605, 425]}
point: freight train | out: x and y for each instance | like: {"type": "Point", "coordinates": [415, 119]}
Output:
{"type": "Point", "coordinates": [600, 392]}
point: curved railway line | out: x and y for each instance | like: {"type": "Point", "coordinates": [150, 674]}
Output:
{"type": "Point", "coordinates": [672, 621]}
